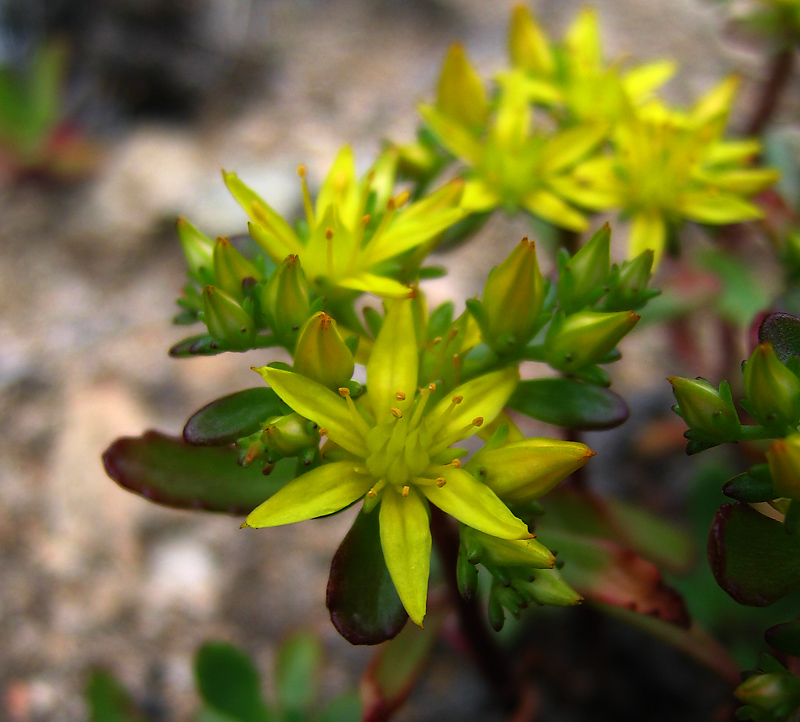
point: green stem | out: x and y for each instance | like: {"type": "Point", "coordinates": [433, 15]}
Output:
{"type": "Point", "coordinates": [755, 432]}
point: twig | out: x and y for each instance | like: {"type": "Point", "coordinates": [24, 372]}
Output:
{"type": "Point", "coordinates": [772, 90]}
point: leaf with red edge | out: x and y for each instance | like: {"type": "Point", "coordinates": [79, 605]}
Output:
{"type": "Point", "coordinates": [782, 330]}
{"type": "Point", "coordinates": [391, 675]}
{"type": "Point", "coordinates": [168, 471]}
{"type": "Point", "coordinates": [362, 600]}
{"type": "Point", "coordinates": [751, 556]}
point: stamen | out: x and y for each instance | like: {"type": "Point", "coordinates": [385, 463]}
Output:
{"type": "Point", "coordinates": [396, 412]}
{"type": "Point", "coordinates": [344, 391]}
{"type": "Point", "coordinates": [402, 198]}
{"type": "Point", "coordinates": [391, 207]}
{"type": "Point", "coordinates": [457, 399]}
{"type": "Point", "coordinates": [406, 489]}
{"type": "Point", "coordinates": [456, 463]}
{"type": "Point", "coordinates": [323, 431]}
{"type": "Point", "coordinates": [301, 171]}
{"type": "Point", "coordinates": [400, 396]}
{"type": "Point", "coordinates": [329, 238]}
{"type": "Point", "coordinates": [420, 407]}
{"type": "Point", "coordinates": [372, 493]}
{"type": "Point", "coordinates": [441, 481]}
{"type": "Point", "coordinates": [477, 421]}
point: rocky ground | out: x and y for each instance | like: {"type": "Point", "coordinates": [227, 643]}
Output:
{"type": "Point", "coordinates": [90, 574]}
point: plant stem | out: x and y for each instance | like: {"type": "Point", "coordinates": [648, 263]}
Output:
{"type": "Point", "coordinates": [779, 74]}
{"type": "Point", "coordinates": [487, 654]}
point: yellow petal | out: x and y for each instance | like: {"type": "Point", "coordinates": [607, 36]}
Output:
{"type": "Point", "coordinates": [461, 95]}
{"type": "Point", "coordinates": [340, 188]}
{"type": "Point", "coordinates": [584, 194]}
{"type": "Point", "coordinates": [312, 400]}
{"type": "Point", "coordinates": [452, 135]}
{"type": "Point", "coordinates": [648, 231]}
{"type": "Point", "coordinates": [549, 206]}
{"type": "Point", "coordinates": [732, 151]}
{"type": "Point", "coordinates": [582, 39]}
{"type": "Point", "coordinates": [322, 491]}
{"type": "Point", "coordinates": [643, 80]}
{"type": "Point", "coordinates": [716, 103]}
{"type": "Point", "coordinates": [483, 397]}
{"type": "Point", "coordinates": [742, 181]}
{"type": "Point", "coordinates": [569, 146]}
{"type": "Point", "coordinates": [475, 505]}
{"type": "Point", "coordinates": [479, 197]}
{"type": "Point", "coordinates": [377, 285]}
{"type": "Point", "coordinates": [717, 208]}
{"type": "Point", "coordinates": [406, 545]}
{"type": "Point", "coordinates": [393, 363]}
{"type": "Point", "coordinates": [527, 43]}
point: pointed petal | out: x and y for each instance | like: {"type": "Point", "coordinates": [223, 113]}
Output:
{"type": "Point", "coordinates": [549, 206]}
{"type": "Point", "coordinates": [479, 197]}
{"type": "Point", "coordinates": [403, 234]}
{"type": "Point", "coordinates": [453, 136]}
{"type": "Point", "coordinates": [315, 402]}
{"type": "Point", "coordinates": [393, 363]}
{"type": "Point", "coordinates": [482, 397]}
{"type": "Point", "coordinates": [460, 93]}
{"type": "Point", "coordinates": [732, 151]}
{"type": "Point", "coordinates": [648, 231]}
{"type": "Point", "coordinates": [274, 246]}
{"type": "Point", "coordinates": [324, 490]}
{"type": "Point", "coordinates": [584, 194]}
{"type": "Point", "coordinates": [340, 188]}
{"type": "Point", "coordinates": [717, 208]}
{"type": "Point", "coordinates": [716, 103]}
{"type": "Point", "coordinates": [582, 39]}
{"type": "Point", "coordinates": [643, 80]}
{"type": "Point", "coordinates": [406, 544]}
{"type": "Point", "coordinates": [569, 146]}
{"type": "Point", "coordinates": [475, 505]}
{"type": "Point", "coordinates": [377, 285]}
{"type": "Point", "coordinates": [527, 44]}
{"type": "Point", "coordinates": [741, 181]}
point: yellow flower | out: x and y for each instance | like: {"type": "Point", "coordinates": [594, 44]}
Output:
{"type": "Point", "coordinates": [510, 162]}
{"type": "Point", "coordinates": [392, 447]}
{"type": "Point", "coordinates": [354, 229]}
{"type": "Point", "coordinates": [669, 167]}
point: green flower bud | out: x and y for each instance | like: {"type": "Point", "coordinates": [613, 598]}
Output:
{"type": "Point", "coordinates": [583, 338]}
{"type": "Point", "coordinates": [773, 391]}
{"type": "Point", "coordinates": [523, 471]}
{"type": "Point", "coordinates": [226, 320]}
{"type": "Point", "coordinates": [629, 284]}
{"type": "Point", "coordinates": [508, 553]}
{"type": "Point", "coordinates": [231, 268]}
{"type": "Point", "coordinates": [290, 434]}
{"type": "Point", "coordinates": [583, 279]}
{"type": "Point", "coordinates": [783, 458]}
{"type": "Point", "coordinates": [513, 296]}
{"type": "Point", "coordinates": [705, 409]}
{"type": "Point", "coordinates": [549, 587]}
{"type": "Point", "coordinates": [770, 692]}
{"type": "Point", "coordinates": [285, 300]}
{"type": "Point", "coordinates": [321, 353]}
{"type": "Point", "coordinates": [198, 248]}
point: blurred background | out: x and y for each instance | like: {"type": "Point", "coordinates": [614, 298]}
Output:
{"type": "Point", "coordinates": [150, 99]}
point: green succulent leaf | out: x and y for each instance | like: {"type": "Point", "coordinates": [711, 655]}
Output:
{"type": "Point", "coordinates": [570, 404]}
{"type": "Point", "coordinates": [749, 489]}
{"type": "Point", "coordinates": [296, 674]}
{"type": "Point", "coordinates": [361, 597]}
{"type": "Point", "coordinates": [108, 700]}
{"type": "Point", "coordinates": [168, 471]}
{"type": "Point", "coordinates": [785, 637]}
{"type": "Point", "coordinates": [782, 330]}
{"type": "Point", "coordinates": [229, 418]}
{"type": "Point", "coordinates": [751, 556]}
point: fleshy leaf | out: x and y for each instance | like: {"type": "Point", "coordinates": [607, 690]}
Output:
{"type": "Point", "coordinates": [108, 700]}
{"type": "Point", "coordinates": [322, 491]}
{"type": "Point", "coordinates": [406, 542]}
{"type": "Point", "coordinates": [297, 670]}
{"type": "Point", "coordinates": [782, 330]}
{"type": "Point", "coordinates": [785, 637]}
{"type": "Point", "coordinates": [752, 557]}
{"type": "Point", "coordinates": [229, 682]}
{"type": "Point", "coordinates": [229, 418]}
{"type": "Point", "coordinates": [570, 404]}
{"type": "Point", "coordinates": [168, 471]}
{"type": "Point", "coordinates": [392, 673]}
{"type": "Point", "coordinates": [744, 487]}
{"type": "Point", "coordinates": [361, 597]}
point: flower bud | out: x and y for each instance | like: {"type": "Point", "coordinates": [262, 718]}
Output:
{"type": "Point", "coordinates": [583, 279]}
{"type": "Point", "coordinates": [705, 409]}
{"type": "Point", "coordinates": [226, 320]}
{"type": "Point", "coordinates": [773, 391]}
{"type": "Point", "coordinates": [583, 338]}
{"type": "Point", "coordinates": [290, 434]}
{"type": "Point", "coordinates": [783, 458]}
{"type": "Point", "coordinates": [285, 300]}
{"type": "Point", "coordinates": [321, 353]}
{"type": "Point", "coordinates": [549, 587]}
{"type": "Point", "coordinates": [231, 268]}
{"type": "Point", "coordinates": [629, 285]}
{"type": "Point", "coordinates": [198, 248]}
{"type": "Point", "coordinates": [460, 94]}
{"type": "Point", "coordinates": [513, 296]}
{"type": "Point", "coordinates": [527, 44]}
{"type": "Point", "coordinates": [770, 692]}
{"type": "Point", "coordinates": [525, 470]}
{"type": "Point", "coordinates": [508, 553]}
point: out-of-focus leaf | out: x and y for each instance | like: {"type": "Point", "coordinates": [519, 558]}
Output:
{"type": "Point", "coordinates": [200, 345]}
{"type": "Point", "coordinates": [228, 681]}
{"type": "Point", "coordinates": [296, 674]}
{"type": "Point", "coordinates": [743, 293]}
{"type": "Point", "coordinates": [108, 700]}
{"type": "Point", "coordinates": [168, 471]}
{"type": "Point", "coordinates": [782, 330]}
{"type": "Point", "coordinates": [224, 420]}
{"type": "Point", "coordinates": [570, 404]}
{"type": "Point", "coordinates": [346, 708]}
{"type": "Point", "coordinates": [781, 151]}
{"type": "Point", "coordinates": [785, 637]}
{"type": "Point", "coordinates": [752, 557]}
{"type": "Point", "coordinates": [361, 597]}
{"type": "Point", "coordinates": [390, 676]}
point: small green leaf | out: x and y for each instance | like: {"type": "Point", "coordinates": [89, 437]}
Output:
{"type": "Point", "coordinates": [108, 700]}
{"type": "Point", "coordinates": [345, 708]}
{"type": "Point", "coordinates": [570, 404]}
{"type": "Point", "coordinates": [296, 674]}
{"type": "Point", "coordinates": [744, 487]}
{"type": "Point", "coordinates": [361, 597]}
{"type": "Point", "coordinates": [229, 418]}
{"type": "Point", "coordinates": [782, 330]}
{"type": "Point", "coordinates": [752, 557]}
{"type": "Point", "coordinates": [785, 637]}
{"type": "Point", "coordinates": [228, 681]}
{"type": "Point", "coordinates": [200, 345]}
{"type": "Point", "coordinates": [168, 471]}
